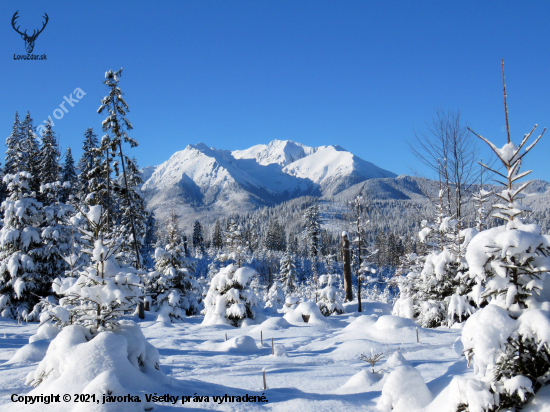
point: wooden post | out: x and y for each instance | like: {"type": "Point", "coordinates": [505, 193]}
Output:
{"type": "Point", "coordinates": [141, 311]}
{"type": "Point", "coordinates": [226, 337]}
{"type": "Point", "coordinates": [265, 384]}
{"type": "Point", "coordinates": [147, 308]}
{"type": "Point", "coordinates": [262, 337]}
{"type": "Point", "coordinates": [272, 347]}
{"type": "Point", "coordinates": [347, 267]}
{"type": "Point", "coordinates": [417, 340]}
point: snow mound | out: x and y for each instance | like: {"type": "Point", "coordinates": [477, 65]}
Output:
{"type": "Point", "coordinates": [240, 344]}
{"type": "Point", "coordinates": [361, 323]}
{"type": "Point", "coordinates": [119, 362]}
{"type": "Point", "coordinates": [364, 380]}
{"type": "Point", "coordinates": [393, 322]}
{"type": "Point", "coordinates": [306, 308]}
{"type": "Point", "coordinates": [404, 391]}
{"type": "Point", "coordinates": [271, 324]}
{"type": "Point", "coordinates": [45, 331]}
{"type": "Point", "coordinates": [280, 351]}
{"type": "Point", "coordinates": [32, 352]}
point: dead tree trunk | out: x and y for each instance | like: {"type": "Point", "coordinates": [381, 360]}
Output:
{"type": "Point", "coordinates": [347, 267]}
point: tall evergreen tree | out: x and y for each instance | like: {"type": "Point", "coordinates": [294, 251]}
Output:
{"type": "Point", "coordinates": [217, 235]}
{"type": "Point", "coordinates": [198, 238]}
{"type": "Point", "coordinates": [312, 231]}
{"type": "Point", "coordinates": [68, 172]}
{"type": "Point", "coordinates": [88, 164]}
{"type": "Point", "coordinates": [30, 150]}
{"type": "Point", "coordinates": [149, 241]}
{"type": "Point", "coordinates": [132, 219]}
{"type": "Point", "coordinates": [287, 273]}
{"type": "Point", "coordinates": [14, 159]}
{"type": "Point", "coordinates": [118, 126]}
{"type": "Point", "coordinates": [48, 157]}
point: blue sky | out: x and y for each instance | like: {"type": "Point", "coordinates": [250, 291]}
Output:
{"type": "Point", "coordinates": [231, 74]}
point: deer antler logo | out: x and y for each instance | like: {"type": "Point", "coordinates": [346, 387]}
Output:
{"type": "Point", "coordinates": [29, 40]}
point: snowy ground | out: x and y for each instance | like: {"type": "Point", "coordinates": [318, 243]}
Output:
{"type": "Point", "coordinates": [317, 373]}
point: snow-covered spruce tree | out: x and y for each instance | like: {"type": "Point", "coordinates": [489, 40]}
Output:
{"type": "Point", "coordinates": [287, 273]}
{"type": "Point", "coordinates": [118, 125]}
{"type": "Point", "coordinates": [198, 238]}
{"type": "Point", "coordinates": [90, 160]}
{"type": "Point", "coordinates": [48, 157]}
{"type": "Point", "coordinates": [440, 291]}
{"type": "Point", "coordinates": [14, 160]}
{"type": "Point", "coordinates": [234, 249]}
{"type": "Point", "coordinates": [359, 207]}
{"type": "Point", "coordinates": [312, 230]}
{"type": "Point", "coordinates": [104, 290]}
{"type": "Point", "coordinates": [329, 301]}
{"type": "Point", "coordinates": [68, 174]}
{"type": "Point", "coordinates": [30, 153]}
{"type": "Point", "coordinates": [275, 298]}
{"type": "Point", "coordinates": [21, 282]}
{"type": "Point", "coordinates": [57, 233]}
{"type": "Point", "coordinates": [217, 235]}
{"type": "Point", "coordinates": [133, 219]}
{"type": "Point", "coordinates": [275, 237]}
{"type": "Point", "coordinates": [176, 292]}
{"type": "Point", "coordinates": [230, 299]}
{"type": "Point", "coordinates": [149, 241]}
{"type": "Point", "coordinates": [508, 341]}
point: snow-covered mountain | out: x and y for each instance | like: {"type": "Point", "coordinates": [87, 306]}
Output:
{"type": "Point", "coordinates": [220, 181]}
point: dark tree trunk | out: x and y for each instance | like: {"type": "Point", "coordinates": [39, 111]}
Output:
{"type": "Point", "coordinates": [347, 268]}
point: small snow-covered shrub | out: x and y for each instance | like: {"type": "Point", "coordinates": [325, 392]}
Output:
{"type": "Point", "coordinates": [230, 298]}
{"type": "Point", "coordinates": [275, 296]}
{"type": "Point", "coordinates": [329, 300]}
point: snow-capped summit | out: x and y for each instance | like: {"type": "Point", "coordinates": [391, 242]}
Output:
{"type": "Point", "coordinates": [229, 181]}
{"type": "Point", "coordinates": [281, 152]}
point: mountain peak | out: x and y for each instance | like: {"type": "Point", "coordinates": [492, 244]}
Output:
{"type": "Point", "coordinates": [206, 177]}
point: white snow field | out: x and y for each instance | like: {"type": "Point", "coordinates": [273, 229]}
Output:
{"type": "Point", "coordinates": [316, 366]}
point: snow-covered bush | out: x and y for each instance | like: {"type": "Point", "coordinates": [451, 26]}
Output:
{"type": "Point", "coordinates": [230, 298]}
{"type": "Point", "coordinates": [329, 298]}
{"type": "Point", "coordinates": [275, 296]}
